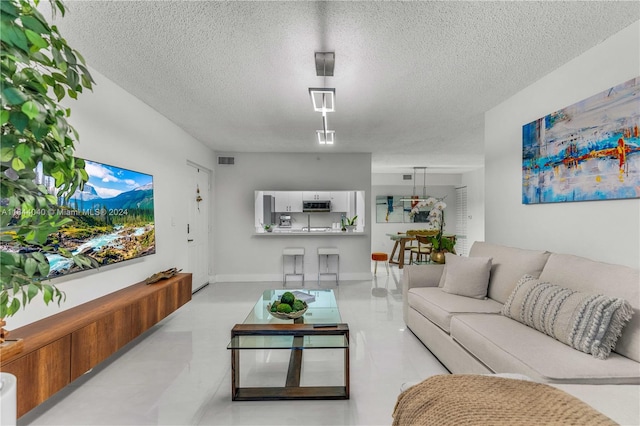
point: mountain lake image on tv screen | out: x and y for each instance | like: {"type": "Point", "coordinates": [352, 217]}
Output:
{"type": "Point", "coordinates": [111, 219]}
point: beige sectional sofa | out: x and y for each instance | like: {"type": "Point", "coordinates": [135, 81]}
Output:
{"type": "Point", "coordinates": [471, 335]}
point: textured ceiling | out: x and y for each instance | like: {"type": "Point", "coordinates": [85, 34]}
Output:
{"type": "Point", "coordinates": [412, 79]}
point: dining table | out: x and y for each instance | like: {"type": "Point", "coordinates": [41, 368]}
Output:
{"type": "Point", "coordinates": [400, 243]}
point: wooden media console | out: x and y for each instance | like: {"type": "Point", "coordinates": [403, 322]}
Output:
{"type": "Point", "coordinates": [60, 348]}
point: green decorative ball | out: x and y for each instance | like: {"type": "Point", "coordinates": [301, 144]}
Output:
{"type": "Point", "coordinates": [298, 305]}
{"type": "Point", "coordinates": [284, 308]}
{"type": "Point", "coordinates": [288, 298]}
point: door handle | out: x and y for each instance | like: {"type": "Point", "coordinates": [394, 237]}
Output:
{"type": "Point", "coordinates": [189, 240]}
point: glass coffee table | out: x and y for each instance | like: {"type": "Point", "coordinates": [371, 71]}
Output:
{"type": "Point", "coordinates": [319, 328]}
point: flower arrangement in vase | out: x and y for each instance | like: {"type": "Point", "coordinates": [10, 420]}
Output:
{"type": "Point", "coordinates": [440, 243]}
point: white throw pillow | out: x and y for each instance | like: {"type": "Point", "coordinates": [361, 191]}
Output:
{"type": "Point", "coordinates": [466, 276]}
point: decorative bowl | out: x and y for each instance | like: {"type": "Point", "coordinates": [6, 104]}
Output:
{"type": "Point", "coordinates": [290, 315]}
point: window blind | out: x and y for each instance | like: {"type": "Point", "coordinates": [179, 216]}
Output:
{"type": "Point", "coordinates": [462, 246]}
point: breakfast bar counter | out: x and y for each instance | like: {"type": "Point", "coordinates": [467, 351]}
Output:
{"type": "Point", "coordinates": [298, 232]}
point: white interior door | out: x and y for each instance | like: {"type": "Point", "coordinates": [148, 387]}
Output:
{"type": "Point", "coordinates": [199, 197]}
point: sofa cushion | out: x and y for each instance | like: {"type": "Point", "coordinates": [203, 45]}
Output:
{"type": "Point", "coordinates": [466, 276]}
{"type": "Point", "coordinates": [587, 322]}
{"type": "Point", "coordinates": [507, 346]}
{"type": "Point", "coordinates": [508, 265]}
{"type": "Point", "coordinates": [438, 306]}
{"type": "Point", "coordinates": [581, 274]}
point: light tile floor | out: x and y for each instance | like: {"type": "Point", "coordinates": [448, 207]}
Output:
{"type": "Point", "coordinates": [178, 373]}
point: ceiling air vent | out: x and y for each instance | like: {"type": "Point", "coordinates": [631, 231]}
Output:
{"type": "Point", "coordinates": [406, 177]}
{"type": "Point", "coordinates": [226, 160]}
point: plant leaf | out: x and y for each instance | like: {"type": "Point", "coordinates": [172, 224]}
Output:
{"type": "Point", "coordinates": [24, 152]}
{"type": "Point", "coordinates": [13, 96]}
{"type": "Point", "coordinates": [57, 58]}
{"type": "Point", "coordinates": [39, 129]}
{"type": "Point", "coordinates": [17, 164]}
{"type": "Point", "coordinates": [6, 258]}
{"type": "Point", "coordinates": [48, 79]}
{"type": "Point", "coordinates": [71, 57]}
{"type": "Point", "coordinates": [30, 266]}
{"type": "Point", "coordinates": [59, 91]}
{"type": "Point", "coordinates": [30, 109]}
{"type": "Point", "coordinates": [48, 293]}
{"type": "Point", "coordinates": [86, 81]}
{"type": "Point", "coordinates": [14, 307]}
{"type": "Point", "coordinates": [60, 7]}
{"type": "Point", "coordinates": [59, 77]}
{"type": "Point", "coordinates": [19, 120]}
{"type": "Point", "coordinates": [16, 37]}
{"type": "Point", "coordinates": [8, 8]}
{"type": "Point", "coordinates": [33, 24]}
{"type": "Point", "coordinates": [32, 290]}
{"type": "Point", "coordinates": [6, 154]}
{"type": "Point", "coordinates": [44, 268]}
{"type": "Point", "coordinates": [72, 77]}
{"type": "Point", "coordinates": [35, 39]}
{"type": "Point", "coordinates": [39, 256]}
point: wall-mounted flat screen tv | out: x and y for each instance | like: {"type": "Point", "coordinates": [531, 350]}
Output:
{"type": "Point", "coordinates": [112, 218]}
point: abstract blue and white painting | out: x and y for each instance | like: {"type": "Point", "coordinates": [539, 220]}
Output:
{"type": "Point", "coordinates": [587, 151]}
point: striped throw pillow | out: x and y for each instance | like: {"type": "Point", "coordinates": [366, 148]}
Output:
{"type": "Point", "coordinates": [590, 323]}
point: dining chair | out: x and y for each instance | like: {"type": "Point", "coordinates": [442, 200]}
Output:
{"type": "Point", "coordinates": [409, 246]}
{"type": "Point", "coordinates": [422, 251]}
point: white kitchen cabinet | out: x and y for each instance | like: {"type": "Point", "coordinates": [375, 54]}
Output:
{"type": "Point", "coordinates": [295, 201]}
{"type": "Point", "coordinates": [288, 201]}
{"type": "Point", "coordinates": [316, 195]}
{"type": "Point", "coordinates": [340, 201]}
{"type": "Point", "coordinates": [282, 201]}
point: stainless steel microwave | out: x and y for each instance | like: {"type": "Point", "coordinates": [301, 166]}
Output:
{"type": "Point", "coordinates": [316, 206]}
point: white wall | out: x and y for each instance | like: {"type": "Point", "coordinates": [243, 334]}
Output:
{"type": "Point", "coordinates": [118, 129]}
{"type": "Point", "coordinates": [474, 181]}
{"type": "Point", "coordinates": [242, 256]}
{"type": "Point", "coordinates": [602, 230]}
{"type": "Point", "coordinates": [438, 186]}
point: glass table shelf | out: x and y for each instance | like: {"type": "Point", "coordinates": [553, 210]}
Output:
{"type": "Point", "coordinates": [319, 328]}
{"type": "Point", "coordinates": [288, 342]}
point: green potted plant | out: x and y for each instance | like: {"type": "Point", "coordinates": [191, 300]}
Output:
{"type": "Point", "coordinates": [268, 227]}
{"type": "Point", "coordinates": [351, 223]}
{"type": "Point", "coordinates": [38, 70]}
{"type": "Point", "coordinates": [441, 244]}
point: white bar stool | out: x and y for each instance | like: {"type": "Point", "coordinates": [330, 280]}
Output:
{"type": "Point", "coordinates": [329, 251]}
{"type": "Point", "coordinates": [295, 252]}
